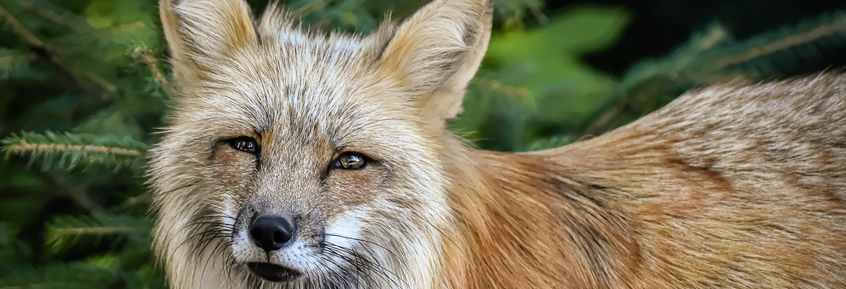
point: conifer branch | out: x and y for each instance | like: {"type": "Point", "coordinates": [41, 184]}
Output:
{"type": "Point", "coordinates": [55, 17]}
{"type": "Point", "coordinates": [43, 49]}
{"type": "Point", "coordinates": [11, 62]}
{"type": "Point", "coordinates": [69, 150]}
{"type": "Point", "coordinates": [24, 147]}
{"type": "Point", "coordinates": [153, 64]}
{"type": "Point", "coordinates": [10, 59]}
{"type": "Point", "coordinates": [838, 27]}
{"type": "Point", "coordinates": [20, 29]}
{"type": "Point", "coordinates": [106, 230]}
{"type": "Point", "coordinates": [714, 57]}
{"type": "Point", "coordinates": [67, 231]}
{"type": "Point", "coordinates": [79, 195]}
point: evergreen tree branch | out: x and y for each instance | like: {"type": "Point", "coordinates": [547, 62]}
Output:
{"type": "Point", "coordinates": [24, 147]}
{"type": "Point", "coordinates": [55, 17]}
{"type": "Point", "coordinates": [20, 29]}
{"type": "Point", "coordinates": [9, 59]}
{"type": "Point", "coordinates": [838, 27]}
{"type": "Point", "coordinates": [12, 61]}
{"type": "Point", "coordinates": [65, 232]}
{"type": "Point", "coordinates": [69, 150]}
{"type": "Point", "coordinates": [95, 230]}
{"type": "Point", "coordinates": [715, 57]}
{"type": "Point", "coordinates": [631, 99]}
{"type": "Point", "coordinates": [78, 195]}
{"type": "Point", "coordinates": [153, 64]}
{"type": "Point", "coordinates": [46, 51]}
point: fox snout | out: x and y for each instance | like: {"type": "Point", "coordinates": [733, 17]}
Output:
{"type": "Point", "coordinates": [276, 244]}
{"type": "Point", "coordinates": [272, 233]}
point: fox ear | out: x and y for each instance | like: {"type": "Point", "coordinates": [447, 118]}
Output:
{"type": "Point", "coordinates": [436, 53]}
{"type": "Point", "coordinates": [200, 31]}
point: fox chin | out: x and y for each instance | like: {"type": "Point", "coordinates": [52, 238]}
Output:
{"type": "Point", "coordinates": [298, 159]}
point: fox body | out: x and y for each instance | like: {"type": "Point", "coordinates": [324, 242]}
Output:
{"type": "Point", "coordinates": [300, 160]}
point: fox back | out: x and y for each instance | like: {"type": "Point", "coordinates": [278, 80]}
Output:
{"type": "Point", "coordinates": [297, 159]}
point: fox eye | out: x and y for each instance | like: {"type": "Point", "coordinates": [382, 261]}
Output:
{"type": "Point", "coordinates": [245, 144]}
{"type": "Point", "coordinates": [349, 161]}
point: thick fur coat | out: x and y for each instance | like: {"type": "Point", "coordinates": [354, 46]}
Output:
{"type": "Point", "coordinates": [726, 187]}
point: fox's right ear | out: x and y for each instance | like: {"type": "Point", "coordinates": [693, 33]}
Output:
{"type": "Point", "coordinates": [199, 32]}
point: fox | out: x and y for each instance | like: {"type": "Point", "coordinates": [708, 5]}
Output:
{"type": "Point", "coordinates": [295, 158]}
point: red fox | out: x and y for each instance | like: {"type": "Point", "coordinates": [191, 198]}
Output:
{"type": "Point", "coordinates": [296, 159]}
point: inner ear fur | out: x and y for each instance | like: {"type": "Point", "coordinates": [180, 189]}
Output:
{"type": "Point", "coordinates": [435, 53]}
{"type": "Point", "coordinates": [199, 32]}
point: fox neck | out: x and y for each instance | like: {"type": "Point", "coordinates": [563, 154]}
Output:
{"type": "Point", "coordinates": [521, 222]}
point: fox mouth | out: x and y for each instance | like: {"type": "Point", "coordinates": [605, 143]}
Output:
{"type": "Point", "coordinates": [273, 273]}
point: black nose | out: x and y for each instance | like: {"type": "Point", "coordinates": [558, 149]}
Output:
{"type": "Point", "coordinates": [271, 233]}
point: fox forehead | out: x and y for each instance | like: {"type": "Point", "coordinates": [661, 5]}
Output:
{"type": "Point", "coordinates": [299, 85]}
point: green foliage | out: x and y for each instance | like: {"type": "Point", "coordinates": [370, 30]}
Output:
{"type": "Point", "coordinates": [73, 204]}
{"type": "Point", "coordinates": [70, 275]}
{"type": "Point", "coordinates": [127, 236]}
{"type": "Point", "coordinates": [65, 232]}
{"type": "Point", "coordinates": [14, 63]}
{"type": "Point", "coordinates": [533, 84]}
{"type": "Point", "coordinates": [715, 54]}
{"type": "Point", "coordinates": [67, 150]}
{"type": "Point", "coordinates": [539, 79]}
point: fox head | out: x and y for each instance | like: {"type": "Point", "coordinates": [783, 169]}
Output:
{"type": "Point", "coordinates": [294, 159]}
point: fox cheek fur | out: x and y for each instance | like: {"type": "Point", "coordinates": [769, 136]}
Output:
{"type": "Point", "coordinates": [299, 160]}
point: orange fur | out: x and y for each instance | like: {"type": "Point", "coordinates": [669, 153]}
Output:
{"type": "Point", "coordinates": [659, 205]}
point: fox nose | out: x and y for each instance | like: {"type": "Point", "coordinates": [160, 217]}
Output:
{"type": "Point", "coordinates": [271, 233]}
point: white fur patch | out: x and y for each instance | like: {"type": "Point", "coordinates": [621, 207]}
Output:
{"type": "Point", "coordinates": [346, 229]}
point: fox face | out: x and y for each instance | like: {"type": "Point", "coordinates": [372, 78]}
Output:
{"type": "Point", "coordinates": [304, 160]}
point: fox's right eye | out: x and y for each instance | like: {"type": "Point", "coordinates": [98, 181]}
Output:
{"type": "Point", "coordinates": [245, 144]}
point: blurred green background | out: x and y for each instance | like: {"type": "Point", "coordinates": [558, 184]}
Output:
{"type": "Point", "coordinates": [84, 85]}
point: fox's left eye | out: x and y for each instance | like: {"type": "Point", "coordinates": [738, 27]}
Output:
{"type": "Point", "coordinates": [245, 144]}
{"type": "Point", "coordinates": [349, 161]}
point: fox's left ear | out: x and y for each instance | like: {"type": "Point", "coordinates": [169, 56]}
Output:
{"type": "Point", "coordinates": [201, 32]}
{"type": "Point", "coordinates": [437, 51]}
